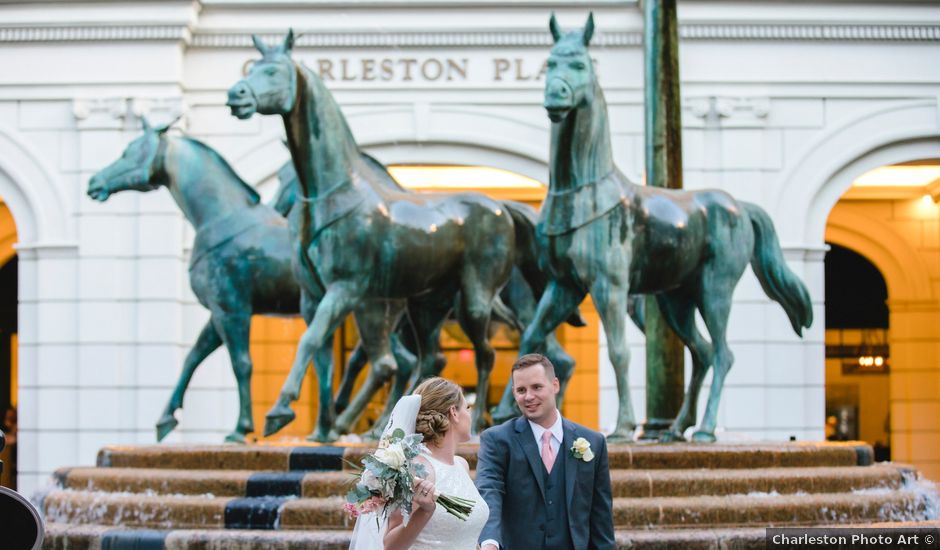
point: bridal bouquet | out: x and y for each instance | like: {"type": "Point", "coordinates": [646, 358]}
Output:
{"type": "Point", "coordinates": [385, 482]}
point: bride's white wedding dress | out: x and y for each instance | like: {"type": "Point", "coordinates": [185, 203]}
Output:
{"type": "Point", "coordinates": [444, 530]}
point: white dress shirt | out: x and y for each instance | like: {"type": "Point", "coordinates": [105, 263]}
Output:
{"type": "Point", "coordinates": [558, 434]}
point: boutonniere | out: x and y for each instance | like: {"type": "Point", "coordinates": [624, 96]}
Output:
{"type": "Point", "coordinates": [582, 450]}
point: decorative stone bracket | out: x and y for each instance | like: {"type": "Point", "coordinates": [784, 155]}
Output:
{"type": "Point", "coordinates": [125, 113]}
{"type": "Point", "coordinates": [718, 111]}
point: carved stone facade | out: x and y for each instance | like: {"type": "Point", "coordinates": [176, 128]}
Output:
{"type": "Point", "coordinates": [785, 104]}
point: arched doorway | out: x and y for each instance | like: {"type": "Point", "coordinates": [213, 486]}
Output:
{"type": "Point", "coordinates": [857, 351]}
{"type": "Point", "coordinates": [898, 236]}
{"type": "Point", "coordinates": [889, 217]}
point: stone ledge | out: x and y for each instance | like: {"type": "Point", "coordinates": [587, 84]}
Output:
{"type": "Point", "coordinates": [625, 483]}
{"type": "Point", "coordinates": [755, 509]}
{"type": "Point", "coordinates": [633, 456]}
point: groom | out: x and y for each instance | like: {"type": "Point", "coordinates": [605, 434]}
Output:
{"type": "Point", "coordinates": [544, 478]}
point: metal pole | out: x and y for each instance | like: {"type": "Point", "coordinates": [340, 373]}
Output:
{"type": "Point", "coordinates": [665, 354]}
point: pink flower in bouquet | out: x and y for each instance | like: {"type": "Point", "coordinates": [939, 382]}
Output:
{"type": "Point", "coordinates": [351, 510]}
{"type": "Point", "coordinates": [372, 504]}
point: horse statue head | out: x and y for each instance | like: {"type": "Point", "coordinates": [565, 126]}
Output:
{"type": "Point", "coordinates": [570, 82]}
{"type": "Point", "coordinates": [270, 87]}
{"type": "Point", "coordinates": [136, 170]}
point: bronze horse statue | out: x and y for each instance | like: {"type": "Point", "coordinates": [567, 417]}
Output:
{"type": "Point", "coordinates": [520, 294]}
{"type": "Point", "coordinates": [241, 259]}
{"type": "Point", "coordinates": [608, 237]}
{"type": "Point", "coordinates": [367, 243]}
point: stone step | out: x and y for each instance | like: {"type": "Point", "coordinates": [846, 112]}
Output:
{"type": "Point", "coordinates": [67, 537]}
{"type": "Point", "coordinates": [636, 456]}
{"type": "Point", "coordinates": [764, 510]}
{"type": "Point", "coordinates": [625, 483]}
{"type": "Point", "coordinates": [698, 482]}
{"type": "Point", "coordinates": [231, 483]}
{"type": "Point", "coordinates": [214, 512]}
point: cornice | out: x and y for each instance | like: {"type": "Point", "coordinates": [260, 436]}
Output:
{"type": "Point", "coordinates": [541, 39]}
{"type": "Point", "coordinates": [826, 32]}
{"type": "Point", "coordinates": [207, 38]}
{"type": "Point", "coordinates": [417, 39]}
{"type": "Point", "coordinates": [94, 33]}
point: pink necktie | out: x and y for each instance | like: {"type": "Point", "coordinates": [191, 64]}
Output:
{"type": "Point", "coordinates": [548, 457]}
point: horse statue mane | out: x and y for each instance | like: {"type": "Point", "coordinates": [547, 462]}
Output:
{"type": "Point", "coordinates": [229, 171]}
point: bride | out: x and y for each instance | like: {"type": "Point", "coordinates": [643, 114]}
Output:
{"type": "Point", "coordinates": [439, 412]}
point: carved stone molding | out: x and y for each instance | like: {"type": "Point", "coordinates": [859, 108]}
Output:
{"type": "Point", "coordinates": [98, 33]}
{"type": "Point", "coordinates": [473, 39]}
{"type": "Point", "coordinates": [755, 32]}
{"type": "Point", "coordinates": [355, 39]}
{"type": "Point", "coordinates": [828, 32]}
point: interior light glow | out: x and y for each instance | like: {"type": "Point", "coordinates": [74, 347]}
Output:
{"type": "Point", "coordinates": [899, 176]}
{"type": "Point", "coordinates": [460, 177]}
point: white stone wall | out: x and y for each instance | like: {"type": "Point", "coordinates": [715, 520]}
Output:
{"type": "Point", "coordinates": [779, 98]}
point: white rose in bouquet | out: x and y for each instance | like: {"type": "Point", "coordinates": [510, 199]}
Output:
{"type": "Point", "coordinates": [392, 456]}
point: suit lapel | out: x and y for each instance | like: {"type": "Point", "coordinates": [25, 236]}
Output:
{"type": "Point", "coordinates": [526, 440]}
{"type": "Point", "coordinates": [570, 430]}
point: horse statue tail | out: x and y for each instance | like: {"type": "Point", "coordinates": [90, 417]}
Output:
{"type": "Point", "coordinates": [777, 280]}
{"type": "Point", "coordinates": [527, 260]}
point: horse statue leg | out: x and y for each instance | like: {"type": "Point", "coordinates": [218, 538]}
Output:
{"type": "Point", "coordinates": [473, 314]}
{"type": "Point", "coordinates": [611, 301]}
{"type": "Point", "coordinates": [556, 305]}
{"type": "Point", "coordinates": [207, 342]}
{"type": "Point", "coordinates": [678, 309]}
{"type": "Point", "coordinates": [563, 362]}
{"type": "Point", "coordinates": [715, 308]}
{"type": "Point", "coordinates": [357, 361]}
{"type": "Point", "coordinates": [235, 329]}
{"type": "Point", "coordinates": [333, 308]}
{"type": "Point", "coordinates": [427, 318]}
{"type": "Point", "coordinates": [407, 363]}
{"type": "Point", "coordinates": [375, 321]}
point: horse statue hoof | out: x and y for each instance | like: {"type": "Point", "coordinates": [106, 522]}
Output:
{"type": "Point", "coordinates": [321, 436]}
{"type": "Point", "coordinates": [703, 437]}
{"type": "Point", "coordinates": [166, 425]}
{"type": "Point", "coordinates": [620, 436]}
{"type": "Point", "coordinates": [277, 418]}
{"type": "Point", "coordinates": [670, 436]}
{"type": "Point", "coordinates": [235, 437]}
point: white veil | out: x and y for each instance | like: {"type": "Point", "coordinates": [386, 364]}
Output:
{"type": "Point", "coordinates": [368, 533]}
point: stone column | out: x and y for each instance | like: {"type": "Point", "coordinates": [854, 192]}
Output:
{"type": "Point", "coordinates": [914, 340]}
{"type": "Point", "coordinates": [48, 401]}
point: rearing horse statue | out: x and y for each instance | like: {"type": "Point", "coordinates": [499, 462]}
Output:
{"type": "Point", "coordinates": [371, 243]}
{"type": "Point", "coordinates": [609, 237]}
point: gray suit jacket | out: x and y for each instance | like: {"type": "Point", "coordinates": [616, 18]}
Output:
{"type": "Point", "coordinates": [510, 477]}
